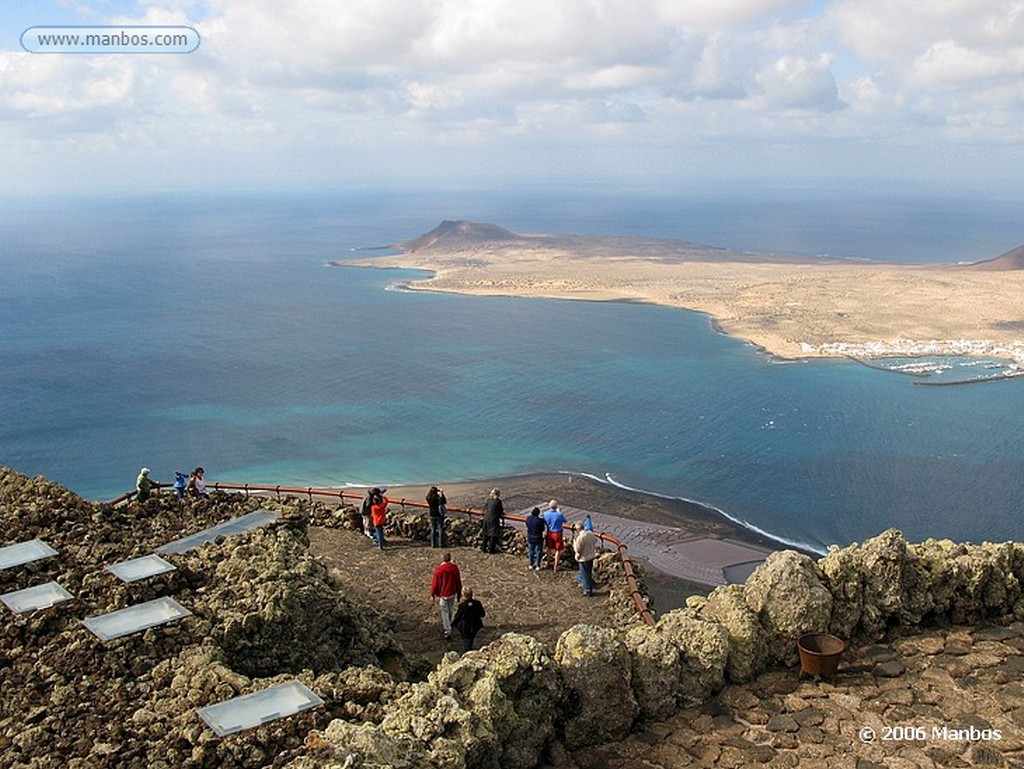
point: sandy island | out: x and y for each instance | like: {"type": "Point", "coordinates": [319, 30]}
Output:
{"type": "Point", "coordinates": [793, 307]}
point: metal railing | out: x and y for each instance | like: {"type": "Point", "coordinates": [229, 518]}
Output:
{"type": "Point", "coordinates": [620, 549]}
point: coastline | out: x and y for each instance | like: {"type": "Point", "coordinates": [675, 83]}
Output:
{"type": "Point", "coordinates": [791, 308]}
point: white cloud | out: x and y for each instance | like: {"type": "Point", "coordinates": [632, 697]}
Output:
{"type": "Point", "coordinates": [714, 14]}
{"type": "Point", "coordinates": [366, 76]}
{"type": "Point", "coordinates": [793, 82]}
{"type": "Point", "coordinates": [950, 64]}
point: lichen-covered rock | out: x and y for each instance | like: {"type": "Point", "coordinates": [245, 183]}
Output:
{"type": "Point", "coordinates": [451, 734]}
{"type": "Point", "coordinates": [359, 693]}
{"type": "Point", "coordinates": [787, 595]}
{"type": "Point", "coordinates": [515, 685]}
{"type": "Point", "coordinates": [845, 580]}
{"type": "Point", "coordinates": [727, 606]}
{"type": "Point", "coordinates": [887, 581]}
{"type": "Point", "coordinates": [272, 607]}
{"type": "Point", "coordinates": [358, 746]}
{"type": "Point", "coordinates": [985, 580]}
{"type": "Point", "coordinates": [74, 700]}
{"type": "Point", "coordinates": [703, 653]}
{"type": "Point", "coordinates": [595, 664]}
{"type": "Point", "coordinates": [879, 567]}
{"type": "Point", "coordinates": [655, 672]}
{"type": "Point", "coordinates": [491, 708]}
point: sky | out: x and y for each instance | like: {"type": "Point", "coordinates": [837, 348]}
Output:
{"type": "Point", "coordinates": [312, 94]}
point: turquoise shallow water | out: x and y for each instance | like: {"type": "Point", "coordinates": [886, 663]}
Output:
{"type": "Point", "coordinates": [180, 331]}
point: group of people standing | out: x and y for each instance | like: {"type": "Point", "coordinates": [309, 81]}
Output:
{"type": "Point", "coordinates": [194, 486]}
{"type": "Point", "coordinates": [549, 530]}
{"type": "Point", "coordinates": [543, 531]}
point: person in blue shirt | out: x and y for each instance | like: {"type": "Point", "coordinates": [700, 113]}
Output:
{"type": "Point", "coordinates": [535, 538]}
{"type": "Point", "coordinates": [554, 520]}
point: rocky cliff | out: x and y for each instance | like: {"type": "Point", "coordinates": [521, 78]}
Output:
{"type": "Point", "coordinates": [266, 611]}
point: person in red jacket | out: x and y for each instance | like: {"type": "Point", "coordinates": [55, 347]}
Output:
{"type": "Point", "coordinates": [378, 517]}
{"type": "Point", "coordinates": [445, 588]}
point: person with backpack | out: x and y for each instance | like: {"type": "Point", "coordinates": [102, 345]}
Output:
{"type": "Point", "coordinates": [438, 505]}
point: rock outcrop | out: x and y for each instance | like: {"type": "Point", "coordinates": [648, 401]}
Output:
{"type": "Point", "coordinates": [265, 611]}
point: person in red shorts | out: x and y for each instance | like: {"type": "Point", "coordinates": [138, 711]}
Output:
{"type": "Point", "coordinates": [554, 520]}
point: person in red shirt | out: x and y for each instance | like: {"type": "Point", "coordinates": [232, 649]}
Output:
{"type": "Point", "coordinates": [378, 517]}
{"type": "Point", "coordinates": [445, 588]}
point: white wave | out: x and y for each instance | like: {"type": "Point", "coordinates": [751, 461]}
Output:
{"type": "Point", "coordinates": [738, 521]}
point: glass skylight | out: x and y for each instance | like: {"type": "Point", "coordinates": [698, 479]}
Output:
{"type": "Point", "coordinates": [25, 552]}
{"type": "Point", "coordinates": [140, 568]}
{"type": "Point", "coordinates": [257, 708]}
{"type": "Point", "coordinates": [243, 523]}
{"type": "Point", "coordinates": [135, 618]}
{"type": "Point", "coordinates": [38, 597]}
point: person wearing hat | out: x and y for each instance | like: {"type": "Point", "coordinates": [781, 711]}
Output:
{"type": "Point", "coordinates": [144, 485]}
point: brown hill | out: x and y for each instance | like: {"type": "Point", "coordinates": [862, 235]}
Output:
{"type": "Point", "coordinates": [1011, 260]}
{"type": "Point", "coordinates": [459, 236]}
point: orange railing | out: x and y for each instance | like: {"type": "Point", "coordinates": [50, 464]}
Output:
{"type": "Point", "coordinates": [620, 549]}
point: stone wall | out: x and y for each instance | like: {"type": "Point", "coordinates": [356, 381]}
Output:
{"type": "Point", "coordinates": [598, 684]}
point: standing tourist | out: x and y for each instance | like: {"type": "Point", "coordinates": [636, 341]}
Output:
{"type": "Point", "coordinates": [438, 504]}
{"type": "Point", "coordinates": [379, 516]}
{"type": "Point", "coordinates": [585, 549]}
{"type": "Point", "coordinates": [197, 485]}
{"type": "Point", "coordinates": [445, 588]}
{"type": "Point", "coordinates": [469, 618]}
{"type": "Point", "coordinates": [535, 538]}
{"type": "Point", "coordinates": [554, 520]}
{"type": "Point", "coordinates": [144, 485]}
{"type": "Point", "coordinates": [494, 519]}
{"type": "Point", "coordinates": [371, 494]}
{"type": "Point", "coordinates": [180, 484]}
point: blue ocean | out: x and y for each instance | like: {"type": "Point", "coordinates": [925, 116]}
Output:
{"type": "Point", "coordinates": [178, 330]}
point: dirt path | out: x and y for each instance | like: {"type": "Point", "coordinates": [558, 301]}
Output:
{"type": "Point", "coordinates": [397, 581]}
